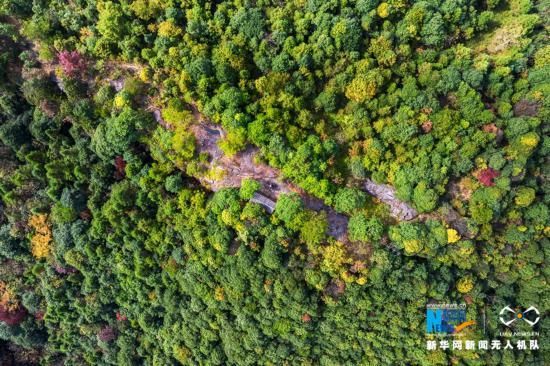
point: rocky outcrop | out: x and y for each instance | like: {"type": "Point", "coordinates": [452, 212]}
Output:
{"type": "Point", "coordinates": [267, 203]}
{"type": "Point", "coordinates": [385, 193]}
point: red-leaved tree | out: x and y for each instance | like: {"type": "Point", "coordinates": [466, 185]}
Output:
{"type": "Point", "coordinates": [121, 317]}
{"type": "Point", "coordinates": [13, 317]}
{"type": "Point", "coordinates": [72, 63]}
{"type": "Point", "coordinates": [487, 176]}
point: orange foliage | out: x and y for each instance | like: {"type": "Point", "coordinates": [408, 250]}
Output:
{"type": "Point", "coordinates": [427, 126]}
{"type": "Point", "coordinates": [7, 298]}
{"type": "Point", "coordinates": [42, 238]}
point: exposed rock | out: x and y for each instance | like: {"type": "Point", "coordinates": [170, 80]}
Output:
{"type": "Point", "coordinates": [463, 189]}
{"type": "Point", "coordinates": [245, 165]}
{"type": "Point", "coordinates": [385, 193]}
{"type": "Point", "coordinates": [117, 84]}
{"type": "Point", "coordinates": [157, 115]}
{"type": "Point", "coordinates": [456, 221]}
{"type": "Point", "coordinates": [49, 108]}
{"type": "Point", "coordinates": [264, 201]}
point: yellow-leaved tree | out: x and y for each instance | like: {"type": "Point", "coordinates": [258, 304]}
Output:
{"type": "Point", "coordinates": [42, 237]}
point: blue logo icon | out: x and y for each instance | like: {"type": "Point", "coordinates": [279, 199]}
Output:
{"type": "Point", "coordinates": [441, 320]}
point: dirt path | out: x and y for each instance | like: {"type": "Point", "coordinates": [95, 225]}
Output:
{"type": "Point", "coordinates": [230, 171]}
{"type": "Point", "coordinates": [244, 165]}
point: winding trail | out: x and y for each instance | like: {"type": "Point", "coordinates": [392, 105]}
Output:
{"type": "Point", "coordinates": [245, 165]}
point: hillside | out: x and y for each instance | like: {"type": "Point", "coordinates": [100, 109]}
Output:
{"type": "Point", "coordinates": [274, 182]}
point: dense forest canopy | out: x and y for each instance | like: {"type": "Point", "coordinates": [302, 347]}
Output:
{"type": "Point", "coordinates": [270, 182]}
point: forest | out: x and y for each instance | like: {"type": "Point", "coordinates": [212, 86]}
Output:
{"type": "Point", "coordinates": [266, 182]}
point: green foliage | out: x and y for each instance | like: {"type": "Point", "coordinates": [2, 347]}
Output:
{"type": "Point", "coordinates": [349, 199]}
{"type": "Point", "coordinates": [10, 247]}
{"type": "Point", "coordinates": [250, 23]}
{"type": "Point", "coordinates": [14, 133]}
{"type": "Point", "coordinates": [362, 228]}
{"type": "Point", "coordinates": [174, 183]}
{"type": "Point", "coordinates": [175, 113]}
{"type": "Point", "coordinates": [248, 188]}
{"type": "Point", "coordinates": [290, 210]}
{"type": "Point", "coordinates": [524, 196]}
{"type": "Point", "coordinates": [116, 135]}
{"type": "Point", "coordinates": [424, 198]}
{"type": "Point", "coordinates": [38, 89]}
{"type": "Point", "coordinates": [443, 101]}
{"type": "Point", "coordinates": [313, 230]}
{"type": "Point", "coordinates": [485, 203]}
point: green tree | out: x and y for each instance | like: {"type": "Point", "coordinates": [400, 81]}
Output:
{"type": "Point", "coordinates": [349, 199]}
{"type": "Point", "coordinates": [289, 208]}
{"type": "Point", "coordinates": [362, 228]}
{"type": "Point", "coordinates": [313, 230]}
{"type": "Point", "coordinates": [248, 188]}
{"type": "Point", "coordinates": [115, 135]}
{"type": "Point", "coordinates": [424, 198]}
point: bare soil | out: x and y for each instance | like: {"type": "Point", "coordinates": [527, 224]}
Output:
{"type": "Point", "coordinates": [245, 165]}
